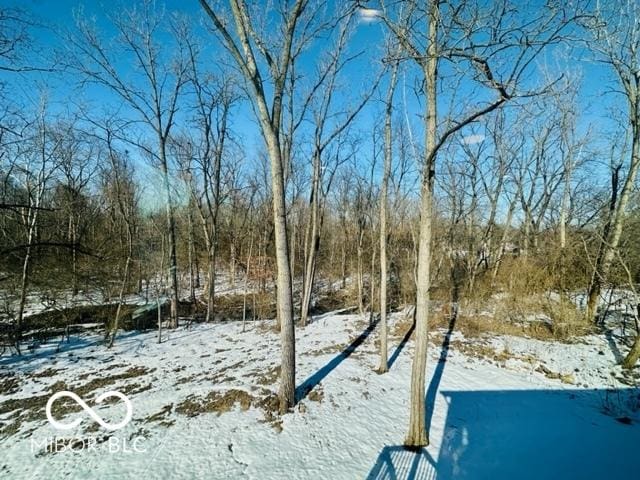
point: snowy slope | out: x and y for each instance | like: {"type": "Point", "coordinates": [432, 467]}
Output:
{"type": "Point", "coordinates": [492, 418]}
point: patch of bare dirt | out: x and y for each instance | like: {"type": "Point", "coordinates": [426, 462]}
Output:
{"type": "Point", "coordinates": [269, 377]}
{"type": "Point", "coordinates": [563, 377]}
{"type": "Point", "coordinates": [488, 352]}
{"type": "Point", "coordinates": [9, 383]}
{"type": "Point", "coordinates": [215, 402]}
{"type": "Point", "coordinates": [161, 417]}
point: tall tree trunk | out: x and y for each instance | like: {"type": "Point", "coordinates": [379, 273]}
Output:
{"type": "Point", "coordinates": [270, 125]}
{"type": "Point", "coordinates": [293, 251]}
{"type": "Point", "coordinates": [74, 255]}
{"type": "Point", "coordinates": [24, 285]}
{"type": "Point", "coordinates": [608, 243]}
{"type": "Point", "coordinates": [360, 273]}
{"type": "Point", "coordinates": [246, 284]}
{"type": "Point", "coordinates": [171, 233]}
{"type": "Point", "coordinates": [503, 242]}
{"type": "Point", "coordinates": [632, 357]}
{"type": "Point", "coordinates": [372, 279]}
{"type": "Point", "coordinates": [284, 284]}
{"type": "Point", "coordinates": [564, 207]}
{"type": "Point", "coordinates": [343, 263]}
{"type": "Point", "coordinates": [417, 434]}
{"type": "Point", "coordinates": [211, 278]}
{"type": "Point", "coordinates": [123, 286]}
{"type": "Point", "coordinates": [313, 241]}
{"type": "Point", "coordinates": [388, 145]}
{"type": "Point", "coordinates": [32, 220]}
{"type": "Point", "coordinates": [192, 289]}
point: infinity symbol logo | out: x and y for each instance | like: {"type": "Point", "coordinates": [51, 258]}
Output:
{"type": "Point", "coordinates": [89, 410]}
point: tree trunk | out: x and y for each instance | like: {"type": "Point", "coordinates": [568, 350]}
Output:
{"type": "Point", "coordinates": [384, 365]}
{"type": "Point", "coordinates": [292, 251]}
{"type": "Point", "coordinates": [503, 241]}
{"type": "Point", "coordinates": [284, 285]}
{"type": "Point", "coordinates": [564, 207]}
{"type": "Point", "coordinates": [343, 264]}
{"type": "Point", "coordinates": [211, 280]}
{"type": "Point", "coordinates": [192, 288]}
{"type": "Point", "coordinates": [171, 232]}
{"type": "Point", "coordinates": [609, 240]}
{"type": "Point", "coordinates": [417, 434]}
{"type": "Point", "coordinates": [632, 357]}
{"type": "Point", "coordinates": [123, 286]}
{"type": "Point", "coordinates": [74, 256]}
{"type": "Point", "coordinates": [32, 219]}
{"type": "Point", "coordinates": [313, 241]}
{"type": "Point", "coordinates": [24, 284]}
{"type": "Point", "coordinates": [360, 274]}
{"type": "Point", "coordinates": [246, 284]}
{"type": "Point", "coordinates": [372, 279]}
{"type": "Point", "coordinates": [159, 317]}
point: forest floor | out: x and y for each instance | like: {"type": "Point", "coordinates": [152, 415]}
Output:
{"type": "Point", "coordinates": [203, 404]}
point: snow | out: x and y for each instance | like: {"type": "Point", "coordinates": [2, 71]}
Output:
{"type": "Point", "coordinates": [491, 419]}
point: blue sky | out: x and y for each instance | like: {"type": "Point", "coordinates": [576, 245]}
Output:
{"type": "Point", "coordinates": [595, 104]}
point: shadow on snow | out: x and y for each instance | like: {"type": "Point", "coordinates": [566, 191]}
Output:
{"type": "Point", "coordinates": [313, 380]}
{"type": "Point", "coordinates": [524, 434]}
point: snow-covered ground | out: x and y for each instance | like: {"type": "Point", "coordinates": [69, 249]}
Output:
{"type": "Point", "coordinates": [203, 401]}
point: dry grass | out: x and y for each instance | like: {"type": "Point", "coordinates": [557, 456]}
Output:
{"type": "Point", "coordinates": [215, 401]}
{"type": "Point", "coordinates": [220, 402]}
{"type": "Point", "coordinates": [270, 376]}
{"type": "Point", "coordinates": [9, 383]}
{"type": "Point", "coordinates": [316, 395]}
{"type": "Point", "coordinates": [531, 316]}
{"type": "Point", "coordinates": [563, 377]}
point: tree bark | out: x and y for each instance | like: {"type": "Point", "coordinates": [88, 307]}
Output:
{"type": "Point", "coordinates": [417, 434]}
{"type": "Point", "coordinates": [246, 284]}
{"type": "Point", "coordinates": [171, 233]}
{"type": "Point", "coordinates": [313, 242]}
{"type": "Point", "coordinates": [284, 284]}
{"type": "Point", "coordinates": [192, 289]}
{"type": "Point", "coordinates": [388, 145]}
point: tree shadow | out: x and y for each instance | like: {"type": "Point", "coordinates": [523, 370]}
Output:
{"type": "Point", "coordinates": [313, 380]}
{"type": "Point", "coordinates": [457, 277]}
{"type": "Point", "coordinates": [434, 384]}
{"type": "Point", "coordinates": [75, 343]}
{"type": "Point", "coordinates": [50, 350]}
{"type": "Point", "coordinates": [613, 345]}
{"type": "Point", "coordinates": [405, 339]}
{"type": "Point", "coordinates": [399, 463]}
{"type": "Point", "coordinates": [524, 434]}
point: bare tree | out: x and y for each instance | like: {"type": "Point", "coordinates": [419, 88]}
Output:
{"type": "Point", "coordinates": [539, 171]}
{"type": "Point", "coordinates": [388, 146]}
{"type": "Point", "coordinates": [32, 167]}
{"type": "Point", "coordinates": [330, 126]}
{"type": "Point", "coordinates": [201, 154]}
{"type": "Point", "coordinates": [77, 166]}
{"type": "Point", "coordinates": [471, 37]}
{"type": "Point", "coordinates": [18, 50]}
{"type": "Point", "coordinates": [616, 42]}
{"type": "Point", "coordinates": [250, 49]}
{"type": "Point", "coordinates": [153, 95]}
{"type": "Point", "coordinates": [122, 192]}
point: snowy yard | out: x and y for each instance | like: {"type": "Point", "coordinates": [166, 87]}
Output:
{"type": "Point", "coordinates": [203, 408]}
